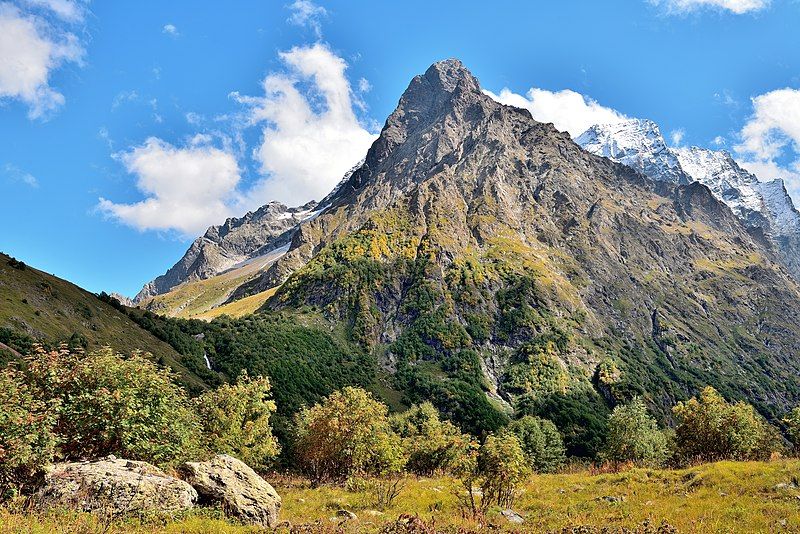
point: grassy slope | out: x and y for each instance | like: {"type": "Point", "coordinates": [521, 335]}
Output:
{"type": "Point", "coordinates": [239, 308]}
{"type": "Point", "coordinates": [200, 298]}
{"type": "Point", "coordinates": [721, 497]}
{"type": "Point", "coordinates": [50, 309]}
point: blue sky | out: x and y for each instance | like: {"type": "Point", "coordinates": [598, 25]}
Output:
{"type": "Point", "coordinates": [127, 127]}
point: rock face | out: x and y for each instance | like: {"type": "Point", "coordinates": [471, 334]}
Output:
{"type": "Point", "coordinates": [763, 207]}
{"type": "Point", "coordinates": [231, 243]}
{"type": "Point", "coordinates": [240, 490]}
{"type": "Point", "coordinates": [114, 486]}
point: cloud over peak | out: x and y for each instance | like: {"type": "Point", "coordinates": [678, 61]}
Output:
{"type": "Point", "coordinates": [569, 111]}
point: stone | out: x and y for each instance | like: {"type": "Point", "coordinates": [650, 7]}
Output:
{"type": "Point", "coordinates": [347, 515]}
{"type": "Point", "coordinates": [512, 517]}
{"type": "Point", "coordinates": [114, 486]}
{"type": "Point", "coordinates": [240, 490]}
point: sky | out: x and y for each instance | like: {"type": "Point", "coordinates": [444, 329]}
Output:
{"type": "Point", "coordinates": [128, 127]}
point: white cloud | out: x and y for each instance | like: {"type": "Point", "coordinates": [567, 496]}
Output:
{"type": "Point", "coordinates": [309, 14]}
{"type": "Point", "coordinates": [311, 138]}
{"type": "Point", "coordinates": [770, 139]}
{"type": "Point", "coordinates": [67, 10]}
{"type": "Point", "coordinates": [170, 29]}
{"type": "Point", "coordinates": [187, 188]}
{"type": "Point", "coordinates": [718, 141]}
{"type": "Point", "coordinates": [18, 175]}
{"type": "Point", "coordinates": [364, 86]}
{"type": "Point", "coordinates": [30, 49]}
{"type": "Point", "coordinates": [738, 7]}
{"type": "Point", "coordinates": [567, 110]}
{"type": "Point", "coordinates": [676, 136]}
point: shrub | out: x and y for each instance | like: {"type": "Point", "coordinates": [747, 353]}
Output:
{"type": "Point", "coordinates": [346, 435]}
{"type": "Point", "coordinates": [710, 429]}
{"type": "Point", "coordinates": [108, 404]}
{"type": "Point", "coordinates": [541, 442]}
{"type": "Point", "coordinates": [634, 436]}
{"type": "Point", "coordinates": [27, 442]}
{"type": "Point", "coordinates": [430, 444]}
{"type": "Point", "coordinates": [235, 419]}
{"type": "Point", "coordinates": [503, 467]}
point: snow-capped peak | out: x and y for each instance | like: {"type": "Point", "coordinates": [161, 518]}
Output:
{"type": "Point", "coordinates": [637, 143]}
{"type": "Point", "coordinates": [762, 205]}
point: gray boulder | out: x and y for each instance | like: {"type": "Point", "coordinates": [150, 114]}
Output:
{"type": "Point", "coordinates": [113, 486]}
{"type": "Point", "coordinates": [240, 490]}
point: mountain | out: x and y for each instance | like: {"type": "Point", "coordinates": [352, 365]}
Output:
{"type": "Point", "coordinates": [39, 307]}
{"type": "Point", "coordinates": [229, 245]}
{"type": "Point", "coordinates": [764, 207]}
{"type": "Point", "coordinates": [489, 263]}
{"type": "Point", "coordinates": [236, 245]}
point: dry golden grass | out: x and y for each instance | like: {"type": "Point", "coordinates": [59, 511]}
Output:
{"type": "Point", "coordinates": [723, 497]}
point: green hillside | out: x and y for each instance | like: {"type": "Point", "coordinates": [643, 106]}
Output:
{"type": "Point", "coordinates": [38, 307]}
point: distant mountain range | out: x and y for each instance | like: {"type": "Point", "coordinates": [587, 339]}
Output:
{"type": "Point", "coordinates": [763, 207]}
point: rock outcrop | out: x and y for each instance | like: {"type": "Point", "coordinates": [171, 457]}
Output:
{"type": "Point", "coordinates": [240, 490]}
{"type": "Point", "coordinates": [115, 487]}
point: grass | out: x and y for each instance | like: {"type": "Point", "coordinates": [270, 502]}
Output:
{"type": "Point", "coordinates": [239, 308]}
{"type": "Point", "coordinates": [203, 299]}
{"type": "Point", "coordinates": [713, 498]}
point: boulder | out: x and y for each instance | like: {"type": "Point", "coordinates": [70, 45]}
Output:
{"type": "Point", "coordinates": [512, 516]}
{"type": "Point", "coordinates": [240, 490]}
{"type": "Point", "coordinates": [113, 486]}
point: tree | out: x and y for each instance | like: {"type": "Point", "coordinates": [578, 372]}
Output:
{"type": "Point", "coordinates": [110, 404]}
{"type": "Point", "coordinates": [346, 435]}
{"type": "Point", "coordinates": [792, 422]}
{"type": "Point", "coordinates": [503, 467]}
{"type": "Point", "coordinates": [634, 436]}
{"type": "Point", "coordinates": [27, 442]}
{"type": "Point", "coordinates": [541, 442]}
{"type": "Point", "coordinates": [710, 429]}
{"type": "Point", "coordinates": [235, 419]}
{"type": "Point", "coordinates": [430, 444]}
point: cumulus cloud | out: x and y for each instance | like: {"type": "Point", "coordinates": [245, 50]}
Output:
{"type": "Point", "coordinates": [308, 14]}
{"type": "Point", "coordinates": [311, 134]}
{"type": "Point", "coordinates": [31, 48]}
{"type": "Point", "coordinates": [569, 111]}
{"type": "Point", "coordinates": [738, 7]}
{"type": "Point", "coordinates": [187, 188]}
{"type": "Point", "coordinates": [770, 139]}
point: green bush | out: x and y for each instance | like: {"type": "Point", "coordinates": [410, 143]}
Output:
{"type": "Point", "coordinates": [430, 444]}
{"type": "Point", "coordinates": [346, 435]}
{"type": "Point", "coordinates": [634, 436]}
{"type": "Point", "coordinates": [235, 420]}
{"type": "Point", "coordinates": [27, 442]}
{"type": "Point", "coordinates": [503, 467]}
{"type": "Point", "coordinates": [541, 442]}
{"type": "Point", "coordinates": [109, 404]}
{"type": "Point", "coordinates": [710, 429]}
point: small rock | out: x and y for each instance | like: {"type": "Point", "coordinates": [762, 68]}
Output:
{"type": "Point", "coordinates": [784, 485]}
{"type": "Point", "coordinates": [347, 515]}
{"type": "Point", "coordinates": [374, 513]}
{"type": "Point", "coordinates": [238, 488]}
{"type": "Point", "coordinates": [611, 499]}
{"type": "Point", "coordinates": [512, 517]}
